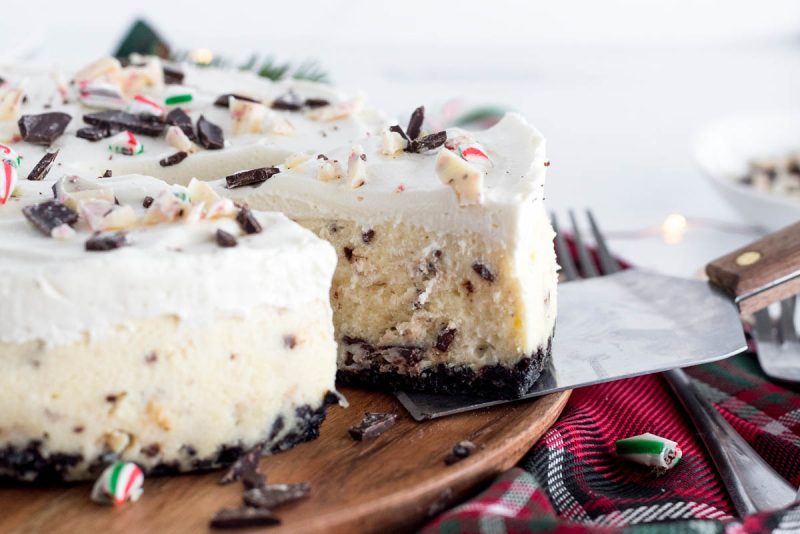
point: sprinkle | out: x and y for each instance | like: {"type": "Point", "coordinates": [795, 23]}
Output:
{"type": "Point", "coordinates": [178, 94]}
{"type": "Point", "coordinates": [141, 105]}
{"type": "Point", "coordinates": [174, 159]}
{"type": "Point", "coordinates": [125, 143]}
{"type": "Point", "coordinates": [465, 179]}
{"type": "Point", "coordinates": [248, 221]}
{"type": "Point", "coordinates": [104, 243]}
{"type": "Point", "coordinates": [43, 167]}
{"type": "Point", "coordinates": [209, 134]}
{"type": "Point", "coordinates": [102, 95]}
{"type": "Point", "coordinates": [650, 450]}
{"type": "Point", "coordinates": [177, 139]}
{"type": "Point", "coordinates": [48, 215]}
{"type": "Point", "coordinates": [44, 128]}
{"type": "Point", "coordinates": [248, 117]}
{"type": "Point", "coordinates": [224, 239]}
{"type": "Point", "coordinates": [357, 167]}
{"type": "Point", "coordinates": [119, 483]}
{"type": "Point", "coordinates": [250, 177]}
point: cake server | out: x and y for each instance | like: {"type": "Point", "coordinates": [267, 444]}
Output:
{"type": "Point", "coordinates": [637, 322]}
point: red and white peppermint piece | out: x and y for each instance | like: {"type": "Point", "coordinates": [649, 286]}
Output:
{"type": "Point", "coordinates": [101, 95]}
{"type": "Point", "coordinates": [119, 483]}
{"type": "Point", "coordinates": [125, 143]}
{"type": "Point", "coordinates": [465, 179]}
{"type": "Point", "coordinates": [248, 117]}
{"type": "Point", "coordinates": [357, 167]}
{"type": "Point", "coordinates": [177, 139]}
{"type": "Point", "coordinates": [141, 105]}
{"type": "Point", "coordinates": [9, 172]}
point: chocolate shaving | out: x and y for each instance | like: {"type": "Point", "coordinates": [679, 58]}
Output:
{"type": "Point", "coordinates": [43, 167]}
{"type": "Point", "coordinates": [372, 425]}
{"type": "Point", "coordinates": [445, 339]}
{"type": "Point", "coordinates": [316, 103]}
{"type": "Point", "coordinates": [224, 239]}
{"type": "Point", "coordinates": [147, 202]}
{"type": "Point", "coordinates": [251, 177]}
{"type": "Point", "coordinates": [107, 174]}
{"type": "Point", "coordinates": [49, 214]}
{"type": "Point", "coordinates": [174, 159]}
{"type": "Point", "coordinates": [44, 128]}
{"type": "Point", "coordinates": [178, 117]}
{"type": "Point", "coordinates": [209, 134]}
{"type": "Point", "coordinates": [243, 518]}
{"type": "Point", "coordinates": [224, 101]}
{"type": "Point", "coordinates": [429, 142]}
{"type": "Point", "coordinates": [461, 450]}
{"type": "Point", "coordinates": [248, 221]}
{"type": "Point", "coordinates": [246, 463]}
{"type": "Point", "coordinates": [105, 242]}
{"type": "Point", "coordinates": [288, 101]}
{"type": "Point", "coordinates": [274, 495]}
{"type": "Point", "coordinates": [396, 128]}
{"type": "Point", "coordinates": [122, 120]}
{"type": "Point", "coordinates": [483, 271]}
{"type": "Point", "coordinates": [415, 123]}
{"type": "Point", "coordinates": [93, 133]}
{"type": "Point", "coordinates": [173, 75]}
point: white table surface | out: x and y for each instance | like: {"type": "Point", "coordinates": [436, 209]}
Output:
{"type": "Point", "coordinates": [618, 113]}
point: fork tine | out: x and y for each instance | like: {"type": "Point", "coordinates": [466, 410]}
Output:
{"type": "Point", "coordinates": [608, 263]}
{"type": "Point", "coordinates": [786, 329]}
{"type": "Point", "coordinates": [564, 254]}
{"type": "Point", "coordinates": [587, 266]}
{"type": "Point", "coordinates": [763, 325]}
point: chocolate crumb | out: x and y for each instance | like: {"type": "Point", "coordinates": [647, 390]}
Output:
{"type": "Point", "coordinates": [483, 271]}
{"type": "Point", "coordinates": [445, 339]}
{"type": "Point", "coordinates": [174, 159]}
{"type": "Point", "coordinates": [348, 253]}
{"type": "Point", "coordinates": [43, 167]}
{"type": "Point", "coordinates": [461, 450]}
{"type": "Point", "coordinates": [78, 429]}
{"type": "Point", "coordinates": [290, 341]}
{"type": "Point", "coordinates": [250, 177]}
{"type": "Point", "coordinates": [367, 236]}
{"type": "Point", "coordinates": [112, 398]}
{"type": "Point", "coordinates": [44, 128]}
{"type": "Point", "coordinates": [243, 518]}
{"type": "Point", "coordinates": [322, 157]}
{"type": "Point", "coordinates": [49, 214]}
{"type": "Point", "coordinates": [107, 174]}
{"type": "Point", "coordinates": [274, 495]}
{"type": "Point", "coordinates": [429, 142]}
{"type": "Point", "coordinates": [316, 103]}
{"type": "Point", "coordinates": [93, 133]}
{"type": "Point", "coordinates": [415, 123]}
{"type": "Point", "coordinates": [106, 242]}
{"type": "Point", "coordinates": [363, 157]}
{"type": "Point", "coordinates": [224, 101]}
{"type": "Point", "coordinates": [372, 425]}
{"type": "Point", "coordinates": [225, 240]}
{"type": "Point", "coordinates": [209, 135]}
{"type": "Point", "coordinates": [468, 286]}
{"type": "Point", "coordinates": [248, 221]}
{"type": "Point", "coordinates": [178, 117]}
{"type": "Point", "coordinates": [148, 201]}
{"type": "Point", "coordinates": [246, 463]}
{"type": "Point", "coordinates": [151, 357]}
{"type": "Point", "coordinates": [547, 163]}
{"type": "Point", "coordinates": [152, 450]}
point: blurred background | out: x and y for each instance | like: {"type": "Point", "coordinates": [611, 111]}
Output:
{"type": "Point", "coordinates": [620, 88]}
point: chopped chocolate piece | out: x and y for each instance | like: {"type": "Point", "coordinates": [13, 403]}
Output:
{"type": "Point", "coordinates": [372, 425]}
{"type": "Point", "coordinates": [316, 103]}
{"type": "Point", "coordinates": [243, 518]}
{"type": "Point", "coordinates": [445, 339]}
{"type": "Point", "coordinates": [323, 157]}
{"type": "Point", "coordinates": [122, 120]}
{"type": "Point", "coordinates": [468, 286]}
{"type": "Point", "coordinates": [274, 495]}
{"type": "Point", "coordinates": [461, 450]}
{"type": "Point", "coordinates": [93, 133]}
{"type": "Point", "coordinates": [483, 271]}
{"type": "Point", "coordinates": [44, 128]}
{"type": "Point", "coordinates": [107, 174]}
{"type": "Point", "coordinates": [224, 239]}
{"type": "Point", "coordinates": [178, 117]}
{"type": "Point", "coordinates": [224, 101]}
{"type": "Point", "coordinates": [290, 341]}
{"type": "Point", "coordinates": [288, 102]}
{"type": "Point", "coordinates": [253, 480]}
{"type": "Point", "coordinates": [246, 463]}
{"type": "Point", "coordinates": [367, 236]}
{"type": "Point", "coordinates": [429, 142]}
{"type": "Point", "coordinates": [251, 177]}
{"type": "Point", "coordinates": [248, 221]}
{"type": "Point", "coordinates": [173, 75]}
{"type": "Point", "coordinates": [209, 134]}
{"type": "Point", "coordinates": [148, 201]}
{"type": "Point", "coordinates": [174, 159]}
{"type": "Point", "coordinates": [348, 253]}
{"type": "Point", "coordinates": [397, 129]}
{"type": "Point", "coordinates": [415, 123]}
{"type": "Point", "coordinates": [49, 214]}
{"type": "Point", "coordinates": [43, 167]}
{"type": "Point", "coordinates": [105, 242]}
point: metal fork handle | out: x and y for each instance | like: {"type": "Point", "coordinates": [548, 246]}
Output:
{"type": "Point", "coordinates": [752, 484]}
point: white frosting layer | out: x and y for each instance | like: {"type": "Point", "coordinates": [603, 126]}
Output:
{"type": "Point", "coordinates": [56, 292]}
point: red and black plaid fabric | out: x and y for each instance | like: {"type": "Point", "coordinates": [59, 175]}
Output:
{"type": "Point", "coordinates": [571, 481]}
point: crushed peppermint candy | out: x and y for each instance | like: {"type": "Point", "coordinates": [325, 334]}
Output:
{"type": "Point", "coordinates": [334, 112]}
{"type": "Point", "coordinates": [125, 143]}
{"type": "Point", "coordinates": [393, 143]}
{"type": "Point", "coordinates": [177, 139]}
{"type": "Point", "coordinates": [329, 170]}
{"type": "Point", "coordinates": [357, 167]}
{"type": "Point", "coordinates": [10, 101]}
{"type": "Point", "coordinates": [9, 161]}
{"type": "Point", "coordinates": [248, 117]}
{"type": "Point", "coordinates": [141, 105]}
{"type": "Point", "coordinates": [465, 179]}
{"type": "Point", "coordinates": [120, 482]}
{"type": "Point", "coordinates": [650, 450]}
{"type": "Point", "coordinates": [101, 95]}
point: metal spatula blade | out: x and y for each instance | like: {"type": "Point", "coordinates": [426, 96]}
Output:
{"type": "Point", "coordinates": [626, 324]}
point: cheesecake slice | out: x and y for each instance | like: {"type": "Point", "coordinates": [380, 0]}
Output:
{"type": "Point", "coordinates": [156, 324]}
{"type": "Point", "coordinates": [446, 280]}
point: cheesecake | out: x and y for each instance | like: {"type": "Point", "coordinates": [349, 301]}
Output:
{"type": "Point", "coordinates": [156, 324]}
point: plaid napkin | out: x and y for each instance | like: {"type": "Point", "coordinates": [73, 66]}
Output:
{"type": "Point", "coordinates": [571, 481]}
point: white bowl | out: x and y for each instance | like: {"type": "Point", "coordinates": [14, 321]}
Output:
{"type": "Point", "coordinates": [724, 149]}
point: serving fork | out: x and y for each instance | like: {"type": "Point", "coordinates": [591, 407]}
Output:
{"type": "Point", "coordinates": [752, 484]}
{"type": "Point", "coordinates": [778, 344]}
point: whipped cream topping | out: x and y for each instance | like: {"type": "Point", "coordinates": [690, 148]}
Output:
{"type": "Point", "coordinates": [54, 291]}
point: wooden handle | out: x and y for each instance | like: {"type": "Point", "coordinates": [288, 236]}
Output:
{"type": "Point", "coordinates": [761, 273]}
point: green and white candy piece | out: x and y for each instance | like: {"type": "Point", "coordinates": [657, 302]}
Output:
{"type": "Point", "coordinates": [650, 450]}
{"type": "Point", "coordinates": [177, 95]}
{"type": "Point", "coordinates": [119, 483]}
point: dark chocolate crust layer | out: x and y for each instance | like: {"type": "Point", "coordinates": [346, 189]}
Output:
{"type": "Point", "coordinates": [31, 465]}
{"type": "Point", "coordinates": [492, 381]}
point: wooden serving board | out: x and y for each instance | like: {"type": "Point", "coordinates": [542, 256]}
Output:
{"type": "Point", "coordinates": [394, 482]}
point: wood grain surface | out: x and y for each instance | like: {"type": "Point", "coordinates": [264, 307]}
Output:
{"type": "Point", "coordinates": [392, 483]}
